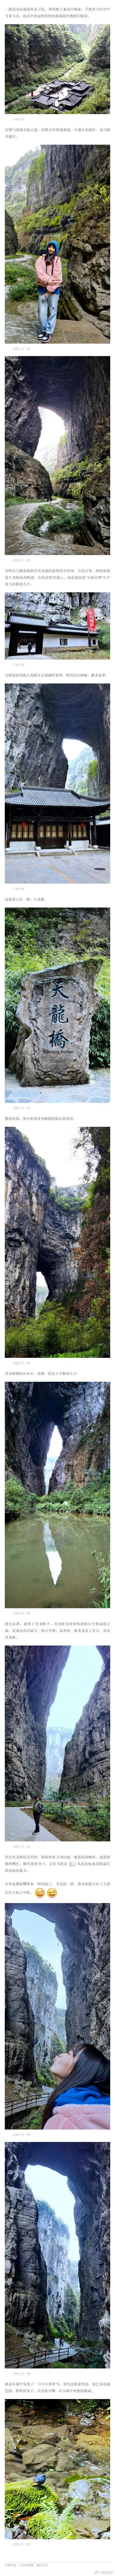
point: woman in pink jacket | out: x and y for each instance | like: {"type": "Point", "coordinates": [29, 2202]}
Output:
{"type": "Point", "coordinates": [49, 280]}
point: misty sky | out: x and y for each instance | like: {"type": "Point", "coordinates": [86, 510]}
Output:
{"type": "Point", "coordinates": [60, 1145]}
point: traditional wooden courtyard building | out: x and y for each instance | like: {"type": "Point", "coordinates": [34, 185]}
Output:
{"type": "Point", "coordinates": [59, 819]}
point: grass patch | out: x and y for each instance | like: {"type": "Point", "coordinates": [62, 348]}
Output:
{"type": "Point", "coordinates": [56, 518]}
{"type": "Point", "coordinates": [21, 281]}
{"type": "Point", "coordinates": [87, 1822]}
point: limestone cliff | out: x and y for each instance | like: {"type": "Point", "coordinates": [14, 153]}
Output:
{"type": "Point", "coordinates": [25, 479]}
{"type": "Point", "coordinates": [55, 2246]}
{"type": "Point", "coordinates": [19, 2018]}
{"type": "Point", "coordinates": [49, 2020]}
{"type": "Point", "coordinates": [86, 1766]}
{"type": "Point", "coordinates": [11, 236]}
{"type": "Point", "coordinates": [25, 2268]}
{"type": "Point", "coordinates": [84, 1933]}
{"type": "Point", "coordinates": [42, 1228]}
{"type": "Point", "coordinates": [32, 1674]}
{"type": "Point", "coordinates": [35, 726]}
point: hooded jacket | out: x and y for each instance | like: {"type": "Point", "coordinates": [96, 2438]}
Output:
{"type": "Point", "coordinates": [50, 279]}
{"type": "Point", "coordinates": [90, 2075]}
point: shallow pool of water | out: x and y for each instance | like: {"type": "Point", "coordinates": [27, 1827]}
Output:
{"type": "Point", "coordinates": [82, 1546]}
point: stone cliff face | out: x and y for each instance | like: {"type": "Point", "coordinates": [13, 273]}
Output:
{"type": "Point", "coordinates": [32, 1674]}
{"type": "Point", "coordinates": [91, 2188]}
{"type": "Point", "coordinates": [56, 175]}
{"type": "Point", "coordinates": [85, 403]}
{"type": "Point", "coordinates": [11, 236]}
{"type": "Point", "coordinates": [41, 1232]}
{"type": "Point", "coordinates": [19, 2018]}
{"type": "Point", "coordinates": [35, 725]}
{"type": "Point", "coordinates": [25, 2268]}
{"type": "Point", "coordinates": [24, 479]}
{"type": "Point", "coordinates": [82, 1414]}
{"type": "Point", "coordinates": [49, 2022]}
{"type": "Point", "coordinates": [86, 1766]}
{"type": "Point", "coordinates": [55, 2246]}
{"type": "Point", "coordinates": [94, 2264]}
{"type": "Point", "coordinates": [55, 1012]}
{"type": "Point", "coordinates": [86, 1974]}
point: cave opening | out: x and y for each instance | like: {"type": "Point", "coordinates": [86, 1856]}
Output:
{"type": "Point", "coordinates": [52, 430]}
{"type": "Point", "coordinates": [82, 772]}
{"type": "Point", "coordinates": [42, 1291]}
{"type": "Point", "coordinates": [60, 2243]}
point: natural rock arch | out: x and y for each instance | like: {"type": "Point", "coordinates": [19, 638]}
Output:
{"type": "Point", "coordinates": [30, 1414]}
{"type": "Point", "coordinates": [88, 2174]}
{"type": "Point", "coordinates": [36, 723]}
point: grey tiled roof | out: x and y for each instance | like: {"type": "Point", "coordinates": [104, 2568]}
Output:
{"type": "Point", "coordinates": [50, 797]}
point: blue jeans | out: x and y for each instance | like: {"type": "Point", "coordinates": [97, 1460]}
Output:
{"type": "Point", "coordinates": [43, 301]}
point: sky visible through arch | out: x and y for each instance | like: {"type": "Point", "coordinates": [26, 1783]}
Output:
{"type": "Point", "coordinates": [41, 1935]}
{"type": "Point", "coordinates": [79, 755]}
{"type": "Point", "coordinates": [78, 1679]}
{"type": "Point", "coordinates": [54, 2188]}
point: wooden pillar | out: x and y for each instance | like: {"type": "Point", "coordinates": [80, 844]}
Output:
{"type": "Point", "coordinates": [39, 639]}
{"type": "Point", "coordinates": [69, 830]}
{"type": "Point", "coordinates": [13, 644]}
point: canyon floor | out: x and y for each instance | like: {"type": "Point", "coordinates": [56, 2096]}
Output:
{"type": "Point", "coordinates": [21, 539]}
{"type": "Point", "coordinates": [21, 324]}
